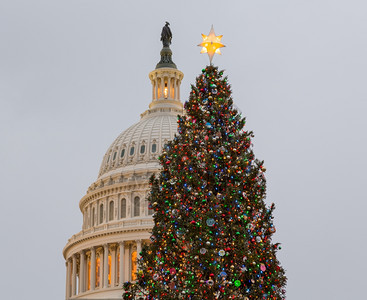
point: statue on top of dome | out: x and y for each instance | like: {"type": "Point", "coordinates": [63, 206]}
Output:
{"type": "Point", "coordinates": [166, 35]}
{"type": "Point", "coordinates": [166, 53]}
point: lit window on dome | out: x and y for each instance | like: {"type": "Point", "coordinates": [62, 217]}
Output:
{"type": "Point", "coordinates": [132, 149]}
{"type": "Point", "coordinates": [89, 274]}
{"type": "Point", "coordinates": [98, 271]}
{"type": "Point", "coordinates": [118, 267]}
{"type": "Point", "coordinates": [114, 155]}
{"type": "Point", "coordinates": [122, 153]}
{"type": "Point", "coordinates": [142, 149]}
{"type": "Point", "coordinates": [154, 148]}
{"type": "Point", "coordinates": [109, 269]}
{"type": "Point", "coordinates": [134, 265]}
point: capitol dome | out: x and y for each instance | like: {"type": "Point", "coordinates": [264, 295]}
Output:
{"type": "Point", "coordinates": [138, 146]}
{"type": "Point", "coordinates": [117, 220]}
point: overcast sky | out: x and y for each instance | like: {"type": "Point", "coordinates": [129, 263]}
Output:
{"type": "Point", "coordinates": [74, 75]}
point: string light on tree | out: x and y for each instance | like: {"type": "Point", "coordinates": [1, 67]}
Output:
{"type": "Point", "coordinates": [212, 234]}
{"type": "Point", "coordinates": [211, 44]}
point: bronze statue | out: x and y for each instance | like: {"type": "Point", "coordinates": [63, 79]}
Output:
{"type": "Point", "coordinates": [166, 35]}
{"type": "Point", "coordinates": [166, 52]}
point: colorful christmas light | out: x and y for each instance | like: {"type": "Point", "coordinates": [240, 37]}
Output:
{"type": "Point", "coordinates": [212, 232]}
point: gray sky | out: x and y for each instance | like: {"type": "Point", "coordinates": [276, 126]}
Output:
{"type": "Point", "coordinates": [74, 74]}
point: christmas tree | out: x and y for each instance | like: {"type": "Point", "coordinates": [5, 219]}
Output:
{"type": "Point", "coordinates": [212, 237]}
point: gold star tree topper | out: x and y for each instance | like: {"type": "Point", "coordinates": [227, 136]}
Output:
{"type": "Point", "coordinates": [211, 44]}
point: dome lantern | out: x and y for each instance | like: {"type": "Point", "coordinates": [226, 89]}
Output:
{"type": "Point", "coordinates": [166, 84]}
{"type": "Point", "coordinates": [166, 78]}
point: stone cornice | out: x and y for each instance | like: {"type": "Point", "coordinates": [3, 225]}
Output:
{"type": "Point", "coordinates": [161, 72]}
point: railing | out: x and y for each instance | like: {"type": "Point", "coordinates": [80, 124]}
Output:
{"type": "Point", "coordinates": [130, 223]}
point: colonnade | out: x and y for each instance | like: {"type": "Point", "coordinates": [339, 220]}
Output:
{"type": "Point", "coordinates": [165, 84]}
{"type": "Point", "coordinates": [166, 87]}
{"type": "Point", "coordinates": [101, 267]}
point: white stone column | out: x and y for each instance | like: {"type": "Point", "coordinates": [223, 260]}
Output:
{"type": "Point", "coordinates": [129, 265]}
{"type": "Point", "coordinates": [105, 210]}
{"type": "Point", "coordinates": [73, 277]}
{"type": "Point", "coordinates": [82, 272]}
{"type": "Point", "coordinates": [97, 212]}
{"type": "Point", "coordinates": [175, 88]}
{"type": "Point", "coordinates": [122, 257]}
{"type": "Point", "coordinates": [68, 271]}
{"type": "Point", "coordinates": [93, 268]}
{"type": "Point", "coordinates": [84, 217]}
{"type": "Point", "coordinates": [86, 214]}
{"type": "Point", "coordinates": [169, 87]}
{"type": "Point", "coordinates": [152, 90]}
{"type": "Point", "coordinates": [105, 265]}
{"type": "Point", "coordinates": [178, 89]}
{"type": "Point", "coordinates": [162, 87]}
{"type": "Point", "coordinates": [138, 248]}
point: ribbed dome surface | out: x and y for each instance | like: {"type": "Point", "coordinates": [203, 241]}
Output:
{"type": "Point", "coordinates": [140, 143]}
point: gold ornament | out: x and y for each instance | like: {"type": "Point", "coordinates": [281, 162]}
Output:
{"type": "Point", "coordinates": [211, 44]}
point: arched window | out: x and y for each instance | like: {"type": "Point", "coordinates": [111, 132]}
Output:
{"type": "Point", "coordinates": [101, 214]}
{"type": "Point", "coordinates": [122, 153]}
{"type": "Point", "coordinates": [93, 213]}
{"type": "Point", "coordinates": [114, 155]}
{"type": "Point", "coordinates": [154, 148]}
{"type": "Point", "coordinates": [136, 207]}
{"type": "Point", "coordinates": [142, 149]}
{"type": "Point", "coordinates": [110, 213]}
{"type": "Point", "coordinates": [77, 283]}
{"type": "Point", "coordinates": [123, 208]}
{"type": "Point", "coordinates": [132, 149]}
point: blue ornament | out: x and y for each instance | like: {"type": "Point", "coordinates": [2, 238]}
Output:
{"type": "Point", "coordinates": [210, 222]}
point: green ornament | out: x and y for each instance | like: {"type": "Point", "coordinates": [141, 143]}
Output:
{"type": "Point", "coordinates": [237, 283]}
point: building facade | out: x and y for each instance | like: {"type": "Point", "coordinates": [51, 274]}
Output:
{"type": "Point", "coordinates": [116, 216]}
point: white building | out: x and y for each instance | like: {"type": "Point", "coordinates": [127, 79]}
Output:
{"type": "Point", "coordinates": [116, 217]}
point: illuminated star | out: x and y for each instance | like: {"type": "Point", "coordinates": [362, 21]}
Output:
{"type": "Point", "coordinates": [211, 44]}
